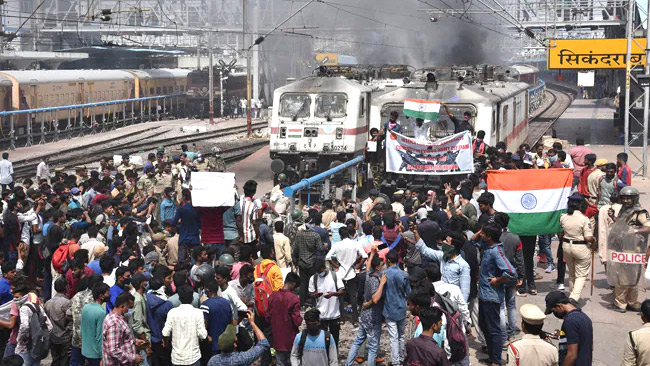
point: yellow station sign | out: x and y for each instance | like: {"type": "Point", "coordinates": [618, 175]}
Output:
{"type": "Point", "coordinates": [594, 53]}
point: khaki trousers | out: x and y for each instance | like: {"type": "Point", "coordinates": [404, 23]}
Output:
{"type": "Point", "coordinates": [626, 296]}
{"type": "Point", "coordinates": [578, 262]}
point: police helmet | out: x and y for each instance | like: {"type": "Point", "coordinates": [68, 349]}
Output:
{"type": "Point", "coordinates": [205, 272]}
{"type": "Point", "coordinates": [629, 191]}
{"type": "Point", "coordinates": [216, 150]}
{"type": "Point", "coordinates": [282, 177]}
{"type": "Point", "coordinates": [296, 215]}
{"type": "Point", "coordinates": [226, 260]}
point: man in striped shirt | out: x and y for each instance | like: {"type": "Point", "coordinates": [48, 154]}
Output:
{"type": "Point", "coordinates": [251, 211]}
{"type": "Point", "coordinates": [118, 343]}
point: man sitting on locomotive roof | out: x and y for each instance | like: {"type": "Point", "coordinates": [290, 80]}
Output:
{"type": "Point", "coordinates": [460, 126]}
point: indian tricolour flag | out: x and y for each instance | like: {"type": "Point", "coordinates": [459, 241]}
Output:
{"type": "Point", "coordinates": [425, 109]}
{"type": "Point", "coordinates": [533, 198]}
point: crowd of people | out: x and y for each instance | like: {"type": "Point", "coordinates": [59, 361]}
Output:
{"type": "Point", "coordinates": [117, 267]}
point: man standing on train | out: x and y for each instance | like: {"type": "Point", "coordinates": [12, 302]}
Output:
{"type": "Point", "coordinates": [460, 126]}
{"type": "Point", "coordinates": [420, 128]}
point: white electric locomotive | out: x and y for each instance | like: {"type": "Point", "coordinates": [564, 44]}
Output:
{"type": "Point", "coordinates": [318, 122]}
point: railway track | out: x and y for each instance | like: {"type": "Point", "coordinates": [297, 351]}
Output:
{"type": "Point", "coordinates": [545, 120]}
{"type": "Point", "coordinates": [90, 153]}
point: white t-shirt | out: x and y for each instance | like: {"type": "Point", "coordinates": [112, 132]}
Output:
{"type": "Point", "coordinates": [346, 252]}
{"type": "Point", "coordinates": [329, 308]}
{"type": "Point", "coordinates": [236, 304]}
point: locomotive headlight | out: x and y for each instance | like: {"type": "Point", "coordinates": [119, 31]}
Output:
{"type": "Point", "coordinates": [283, 132]}
{"type": "Point", "coordinates": [307, 132]}
{"type": "Point", "coordinates": [339, 133]}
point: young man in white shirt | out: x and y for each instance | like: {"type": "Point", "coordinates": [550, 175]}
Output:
{"type": "Point", "coordinates": [6, 172]}
{"type": "Point", "coordinates": [326, 286]}
{"type": "Point", "coordinates": [186, 326]}
{"type": "Point", "coordinates": [349, 256]}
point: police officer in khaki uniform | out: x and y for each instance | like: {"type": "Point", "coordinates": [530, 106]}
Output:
{"type": "Point", "coordinates": [126, 165]}
{"type": "Point", "coordinates": [637, 347]}
{"type": "Point", "coordinates": [147, 183]}
{"type": "Point", "coordinates": [577, 238]}
{"type": "Point", "coordinates": [531, 350]}
{"type": "Point", "coordinates": [202, 164]}
{"type": "Point", "coordinates": [164, 179]}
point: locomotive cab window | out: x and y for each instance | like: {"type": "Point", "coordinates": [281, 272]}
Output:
{"type": "Point", "coordinates": [331, 105]}
{"type": "Point", "coordinates": [295, 105]}
{"type": "Point", "coordinates": [362, 107]}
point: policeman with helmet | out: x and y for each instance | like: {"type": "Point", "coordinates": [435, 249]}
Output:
{"type": "Point", "coordinates": [627, 247]}
{"type": "Point", "coordinates": [291, 229]}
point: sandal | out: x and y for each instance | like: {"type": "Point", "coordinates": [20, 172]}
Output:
{"type": "Point", "coordinates": [538, 277]}
{"type": "Point", "coordinates": [532, 291]}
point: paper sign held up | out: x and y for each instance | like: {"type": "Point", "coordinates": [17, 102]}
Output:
{"type": "Point", "coordinates": [213, 189]}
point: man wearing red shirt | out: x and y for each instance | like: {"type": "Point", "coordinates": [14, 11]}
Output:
{"type": "Point", "coordinates": [578, 154]}
{"type": "Point", "coordinates": [284, 318]}
{"type": "Point", "coordinates": [589, 161]}
{"type": "Point", "coordinates": [212, 228]}
{"type": "Point", "coordinates": [624, 171]}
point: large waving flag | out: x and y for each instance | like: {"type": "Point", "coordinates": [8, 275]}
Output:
{"type": "Point", "coordinates": [425, 109]}
{"type": "Point", "coordinates": [533, 198]}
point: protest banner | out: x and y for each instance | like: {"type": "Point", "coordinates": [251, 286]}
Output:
{"type": "Point", "coordinates": [449, 155]}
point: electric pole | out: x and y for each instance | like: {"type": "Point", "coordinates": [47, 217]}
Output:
{"type": "Point", "coordinates": [211, 71]}
{"type": "Point", "coordinates": [248, 70]}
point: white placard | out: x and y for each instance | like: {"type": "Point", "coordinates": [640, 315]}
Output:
{"type": "Point", "coordinates": [213, 189]}
{"type": "Point", "coordinates": [133, 159]}
{"type": "Point", "coordinates": [586, 78]}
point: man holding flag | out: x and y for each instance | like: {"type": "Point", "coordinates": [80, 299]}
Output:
{"type": "Point", "coordinates": [425, 113]}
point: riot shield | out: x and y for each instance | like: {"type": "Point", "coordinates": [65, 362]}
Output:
{"type": "Point", "coordinates": [625, 255]}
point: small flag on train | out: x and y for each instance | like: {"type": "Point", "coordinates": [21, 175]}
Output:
{"type": "Point", "coordinates": [425, 109]}
{"type": "Point", "coordinates": [533, 198]}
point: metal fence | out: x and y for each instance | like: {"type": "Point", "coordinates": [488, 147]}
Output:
{"type": "Point", "coordinates": [48, 125]}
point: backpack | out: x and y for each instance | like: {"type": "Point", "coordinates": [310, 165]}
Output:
{"type": "Point", "coordinates": [39, 334]}
{"type": "Point", "coordinates": [262, 289]}
{"type": "Point", "coordinates": [303, 339]}
{"type": "Point", "coordinates": [60, 258]}
{"type": "Point", "coordinates": [456, 338]}
{"type": "Point", "coordinates": [314, 279]}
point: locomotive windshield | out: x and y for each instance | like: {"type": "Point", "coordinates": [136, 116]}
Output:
{"type": "Point", "coordinates": [331, 106]}
{"type": "Point", "coordinates": [442, 128]}
{"type": "Point", "coordinates": [295, 106]}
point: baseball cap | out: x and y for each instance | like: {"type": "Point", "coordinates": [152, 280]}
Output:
{"type": "Point", "coordinates": [99, 250]}
{"type": "Point", "coordinates": [373, 192]}
{"type": "Point", "coordinates": [422, 213]}
{"type": "Point", "coordinates": [409, 235]}
{"type": "Point", "coordinates": [158, 237]}
{"type": "Point", "coordinates": [226, 340]}
{"type": "Point", "coordinates": [75, 190]}
{"type": "Point", "coordinates": [553, 298]}
{"type": "Point", "coordinates": [417, 274]}
{"type": "Point", "coordinates": [152, 256]}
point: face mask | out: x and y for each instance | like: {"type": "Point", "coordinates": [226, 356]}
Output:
{"type": "Point", "coordinates": [129, 313]}
{"type": "Point", "coordinates": [552, 158]}
{"type": "Point", "coordinates": [479, 140]}
{"type": "Point", "coordinates": [313, 328]}
{"type": "Point", "coordinates": [251, 280]}
{"type": "Point", "coordinates": [558, 314]}
{"type": "Point", "coordinates": [148, 267]}
{"type": "Point", "coordinates": [146, 286]}
{"type": "Point", "coordinates": [323, 274]}
{"type": "Point", "coordinates": [20, 301]}
{"type": "Point", "coordinates": [127, 281]}
{"type": "Point", "coordinates": [448, 251]}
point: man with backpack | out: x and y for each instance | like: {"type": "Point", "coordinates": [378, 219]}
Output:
{"type": "Point", "coordinates": [348, 255]}
{"type": "Point", "coordinates": [313, 346]}
{"type": "Point", "coordinates": [268, 279]}
{"type": "Point", "coordinates": [423, 350]}
{"type": "Point", "coordinates": [326, 287]}
{"type": "Point", "coordinates": [33, 339]}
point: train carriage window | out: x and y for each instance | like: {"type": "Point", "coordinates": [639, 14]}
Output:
{"type": "Point", "coordinates": [182, 88]}
{"type": "Point", "coordinates": [164, 90]}
{"type": "Point", "coordinates": [331, 105]}
{"type": "Point", "coordinates": [151, 92]}
{"type": "Point", "coordinates": [362, 107]}
{"type": "Point", "coordinates": [514, 113]}
{"type": "Point", "coordinates": [158, 91]}
{"type": "Point", "coordinates": [295, 105]}
{"type": "Point", "coordinates": [505, 116]}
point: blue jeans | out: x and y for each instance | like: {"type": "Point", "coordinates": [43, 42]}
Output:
{"type": "Point", "coordinates": [488, 318]}
{"type": "Point", "coordinates": [76, 358]}
{"type": "Point", "coordinates": [397, 344]}
{"type": "Point", "coordinates": [10, 350]}
{"type": "Point", "coordinates": [545, 248]}
{"type": "Point", "coordinates": [372, 332]}
{"type": "Point", "coordinates": [93, 361]}
{"type": "Point", "coordinates": [509, 307]}
{"type": "Point", "coordinates": [29, 361]}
